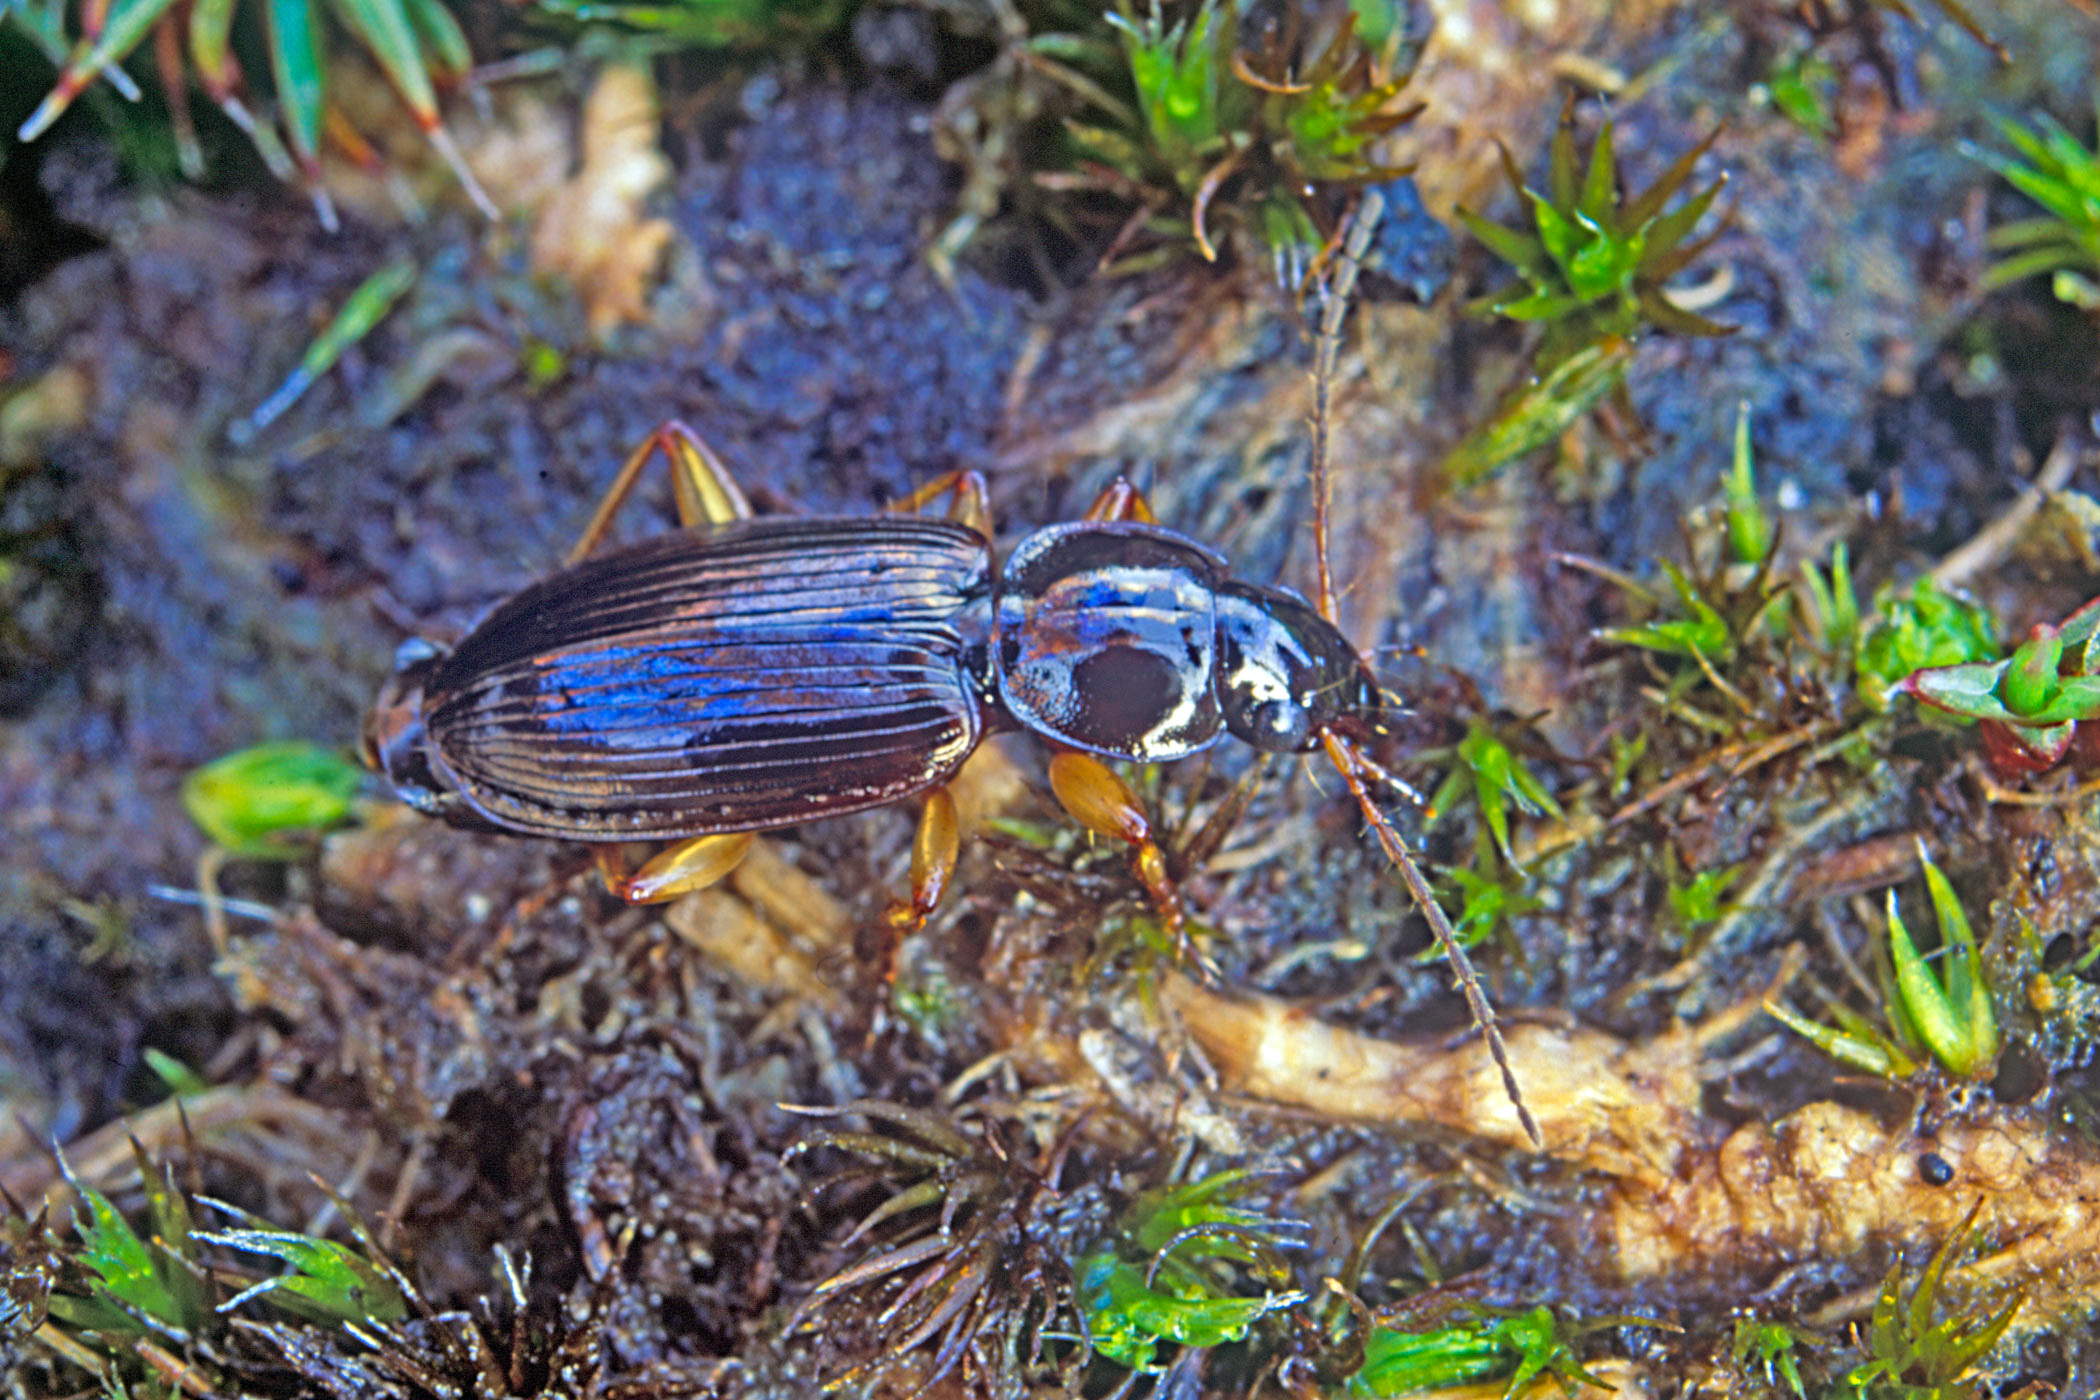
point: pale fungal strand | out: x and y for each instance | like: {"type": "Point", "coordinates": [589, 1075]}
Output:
{"type": "Point", "coordinates": [1599, 1102]}
{"type": "Point", "coordinates": [1688, 1195]}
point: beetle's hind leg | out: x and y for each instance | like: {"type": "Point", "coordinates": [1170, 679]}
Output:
{"type": "Point", "coordinates": [707, 494]}
{"type": "Point", "coordinates": [675, 870]}
{"type": "Point", "coordinates": [935, 848]}
{"type": "Point", "coordinates": [1104, 804]}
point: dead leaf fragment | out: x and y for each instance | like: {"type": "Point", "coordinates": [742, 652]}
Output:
{"type": "Point", "coordinates": [591, 231]}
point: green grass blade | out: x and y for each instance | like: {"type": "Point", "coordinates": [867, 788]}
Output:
{"type": "Point", "coordinates": [1600, 184]}
{"type": "Point", "coordinates": [211, 31]}
{"type": "Point", "coordinates": [384, 28]}
{"type": "Point", "coordinates": [295, 63]}
{"type": "Point", "coordinates": [1649, 202]}
{"type": "Point", "coordinates": [128, 23]}
{"type": "Point", "coordinates": [444, 42]}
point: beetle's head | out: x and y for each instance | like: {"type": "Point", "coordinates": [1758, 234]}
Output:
{"type": "Point", "coordinates": [393, 741]}
{"type": "Point", "coordinates": [1285, 674]}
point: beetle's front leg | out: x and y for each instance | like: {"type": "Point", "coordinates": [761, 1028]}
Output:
{"type": "Point", "coordinates": [1104, 804]}
{"type": "Point", "coordinates": [934, 850]}
{"type": "Point", "coordinates": [675, 870]}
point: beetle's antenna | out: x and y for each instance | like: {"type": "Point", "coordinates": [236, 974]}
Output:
{"type": "Point", "coordinates": [1387, 776]}
{"type": "Point", "coordinates": [1351, 765]}
{"type": "Point", "coordinates": [1334, 308]}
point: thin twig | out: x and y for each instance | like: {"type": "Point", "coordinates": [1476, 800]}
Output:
{"type": "Point", "coordinates": [1990, 543]}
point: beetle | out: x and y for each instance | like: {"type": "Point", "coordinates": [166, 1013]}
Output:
{"type": "Point", "coordinates": [745, 674]}
{"type": "Point", "coordinates": [750, 673]}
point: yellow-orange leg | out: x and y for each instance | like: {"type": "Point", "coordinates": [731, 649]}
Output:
{"type": "Point", "coordinates": [969, 502]}
{"type": "Point", "coordinates": [1104, 804]}
{"type": "Point", "coordinates": [707, 495]}
{"type": "Point", "coordinates": [935, 848]}
{"type": "Point", "coordinates": [677, 869]}
{"type": "Point", "coordinates": [937, 844]}
{"type": "Point", "coordinates": [1121, 501]}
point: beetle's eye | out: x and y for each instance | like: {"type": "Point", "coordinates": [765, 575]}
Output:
{"type": "Point", "coordinates": [1279, 725]}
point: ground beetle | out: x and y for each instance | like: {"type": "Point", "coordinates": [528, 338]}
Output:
{"type": "Point", "coordinates": [745, 674]}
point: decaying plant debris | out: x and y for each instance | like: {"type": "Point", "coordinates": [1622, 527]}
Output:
{"type": "Point", "coordinates": [1687, 1197]}
{"type": "Point", "coordinates": [510, 1137]}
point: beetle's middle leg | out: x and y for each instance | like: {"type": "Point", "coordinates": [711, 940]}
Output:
{"type": "Point", "coordinates": [1104, 804]}
{"type": "Point", "coordinates": [677, 869]}
{"type": "Point", "coordinates": [934, 850]}
{"type": "Point", "coordinates": [707, 494]}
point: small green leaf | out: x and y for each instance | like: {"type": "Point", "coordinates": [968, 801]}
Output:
{"type": "Point", "coordinates": [1973, 691]}
{"type": "Point", "coordinates": [211, 28]}
{"type": "Point", "coordinates": [1922, 629]}
{"type": "Point", "coordinates": [135, 1282]}
{"type": "Point", "coordinates": [1704, 633]}
{"type": "Point", "coordinates": [1499, 777]}
{"type": "Point", "coordinates": [1521, 251]}
{"type": "Point", "coordinates": [1749, 529]}
{"type": "Point", "coordinates": [1835, 605]}
{"type": "Point", "coordinates": [182, 1081]}
{"type": "Point", "coordinates": [1968, 994]}
{"type": "Point", "coordinates": [2028, 684]}
{"type": "Point", "coordinates": [1600, 183]}
{"type": "Point", "coordinates": [1405, 1363]}
{"type": "Point", "coordinates": [1522, 1344]}
{"type": "Point", "coordinates": [1541, 410]}
{"type": "Point", "coordinates": [444, 42]}
{"type": "Point", "coordinates": [127, 22]}
{"type": "Point", "coordinates": [2080, 631]}
{"type": "Point", "coordinates": [1772, 1343]}
{"type": "Point", "coordinates": [1952, 1015]}
{"type": "Point", "coordinates": [1128, 1319]}
{"type": "Point", "coordinates": [1698, 900]}
{"type": "Point", "coordinates": [365, 308]}
{"type": "Point", "coordinates": [328, 1281]}
{"type": "Point", "coordinates": [1875, 1055]}
{"type": "Point", "coordinates": [384, 28]}
{"type": "Point", "coordinates": [1487, 902]}
{"type": "Point", "coordinates": [253, 802]}
{"type": "Point", "coordinates": [1156, 1217]}
{"type": "Point", "coordinates": [1969, 690]}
